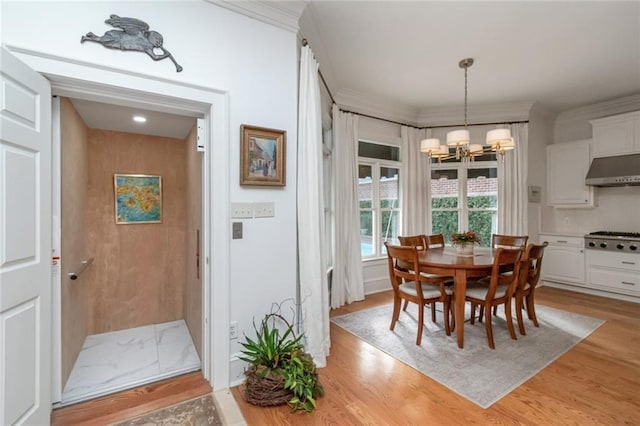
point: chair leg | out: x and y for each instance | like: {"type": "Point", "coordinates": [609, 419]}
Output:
{"type": "Point", "coordinates": [452, 310]}
{"type": "Point", "coordinates": [433, 312]}
{"type": "Point", "coordinates": [447, 324]}
{"type": "Point", "coordinates": [406, 302]}
{"type": "Point", "coordinates": [519, 306]}
{"type": "Point", "coordinates": [531, 309]}
{"type": "Point", "coordinates": [473, 313]}
{"type": "Point", "coordinates": [396, 312]}
{"type": "Point", "coordinates": [420, 324]}
{"type": "Point", "coordinates": [481, 314]}
{"type": "Point", "coordinates": [495, 310]}
{"type": "Point", "coordinates": [487, 326]}
{"type": "Point", "coordinates": [508, 315]}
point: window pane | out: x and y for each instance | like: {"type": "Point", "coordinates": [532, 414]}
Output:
{"type": "Point", "coordinates": [366, 233]}
{"type": "Point", "coordinates": [382, 152]}
{"type": "Point", "coordinates": [389, 187]}
{"type": "Point", "coordinates": [390, 224]}
{"type": "Point", "coordinates": [365, 180]}
{"type": "Point", "coordinates": [445, 222]}
{"type": "Point", "coordinates": [484, 223]}
{"type": "Point", "coordinates": [444, 189]}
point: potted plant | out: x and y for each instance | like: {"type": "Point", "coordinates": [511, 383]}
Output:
{"type": "Point", "coordinates": [280, 371]}
{"type": "Point", "coordinates": [464, 241]}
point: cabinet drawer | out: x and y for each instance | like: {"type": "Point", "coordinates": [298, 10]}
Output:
{"type": "Point", "coordinates": [624, 261]}
{"type": "Point", "coordinates": [563, 241]}
{"type": "Point", "coordinates": [616, 281]}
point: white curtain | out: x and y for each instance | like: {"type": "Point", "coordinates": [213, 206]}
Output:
{"type": "Point", "coordinates": [347, 284]}
{"type": "Point", "coordinates": [512, 184]}
{"type": "Point", "coordinates": [414, 182]}
{"type": "Point", "coordinates": [312, 269]}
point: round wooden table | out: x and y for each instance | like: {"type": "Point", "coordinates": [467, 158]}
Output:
{"type": "Point", "coordinates": [445, 261]}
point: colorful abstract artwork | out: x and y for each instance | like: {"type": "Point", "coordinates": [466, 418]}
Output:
{"type": "Point", "coordinates": [138, 199]}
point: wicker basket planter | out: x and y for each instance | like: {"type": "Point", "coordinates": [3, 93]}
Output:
{"type": "Point", "coordinates": [265, 391]}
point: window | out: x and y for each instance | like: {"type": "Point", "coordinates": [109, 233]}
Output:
{"type": "Point", "coordinates": [464, 196]}
{"type": "Point", "coordinates": [379, 196]}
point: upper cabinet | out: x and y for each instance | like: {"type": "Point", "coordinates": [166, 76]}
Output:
{"type": "Point", "coordinates": [567, 166]}
{"type": "Point", "coordinates": [616, 135]}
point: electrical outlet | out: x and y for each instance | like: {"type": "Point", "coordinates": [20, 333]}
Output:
{"type": "Point", "coordinates": [264, 209]}
{"type": "Point", "coordinates": [241, 210]}
{"type": "Point", "coordinates": [233, 330]}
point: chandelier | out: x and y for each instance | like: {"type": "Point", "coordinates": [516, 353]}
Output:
{"type": "Point", "coordinates": [498, 140]}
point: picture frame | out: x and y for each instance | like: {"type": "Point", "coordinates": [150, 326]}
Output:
{"type": "Point", "coordinates": [138, 199]}
{"type": "Point", "coordinates": [262, 156]}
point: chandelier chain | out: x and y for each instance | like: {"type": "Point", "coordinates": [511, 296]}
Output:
{"type": "Point", "coordinates": [465, 96]}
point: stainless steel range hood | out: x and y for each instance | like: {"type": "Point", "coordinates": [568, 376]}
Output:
{"type": "Point", "coordinates": [614, 171]}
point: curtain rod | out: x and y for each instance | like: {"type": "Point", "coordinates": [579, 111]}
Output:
{"type": "Point", "coordinates": [432, 127]}
{"type": "Point", "coordinates": [305, 42]}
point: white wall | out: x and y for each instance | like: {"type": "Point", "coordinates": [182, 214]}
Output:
{"type": "Point", "coordinates": [617, 208]}
{"type": "Point", "coordinates": [255, 63]}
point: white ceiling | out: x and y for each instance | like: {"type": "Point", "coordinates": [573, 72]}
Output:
{"type": "Point", "coordinates": [404, 55]}
{"type": "Point", "coordinates": [563, 55]}
{"type": "Point", "coordinates": [119, 118]}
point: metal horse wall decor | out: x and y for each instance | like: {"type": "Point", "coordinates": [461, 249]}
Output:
{"type": "Point", "coordinates": [133, 35]}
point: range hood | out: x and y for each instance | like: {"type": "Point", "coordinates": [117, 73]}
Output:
{"type": "Point", "coordinates": [621, 170]}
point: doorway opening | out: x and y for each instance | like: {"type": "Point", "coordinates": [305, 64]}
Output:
{"type": "Point", "coordinates": [131, 211]}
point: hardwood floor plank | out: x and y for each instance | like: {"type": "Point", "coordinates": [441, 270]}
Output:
{"type": "Point", "coordinates": [596, 383]}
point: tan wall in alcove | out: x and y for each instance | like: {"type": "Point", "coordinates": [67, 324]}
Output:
{"type": "Point", "coordinates": [193, 293]}
{"type": "Point", "coordinates": [75, 294]}
{"type": "Point", "coordinates": [139, 269]}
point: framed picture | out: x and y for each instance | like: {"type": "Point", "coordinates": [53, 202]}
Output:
{"type": "Point", "coordinates": [262, 156]}
{"type": "Point", "coordinates": [138, 199]}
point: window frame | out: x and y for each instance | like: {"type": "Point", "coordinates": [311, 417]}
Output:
{"type": "Point", "coordinates": [376, 209]}
{"type": "Point", "coordinates": [462, 168]}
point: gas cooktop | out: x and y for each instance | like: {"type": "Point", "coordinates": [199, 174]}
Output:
{"type": "Point", "coordinates": [628, 242]}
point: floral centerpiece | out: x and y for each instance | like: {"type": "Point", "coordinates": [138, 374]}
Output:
{"type": "Point", "coordinates": [464, 241]}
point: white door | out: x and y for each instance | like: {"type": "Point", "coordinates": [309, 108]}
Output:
{"type": "Point", "coordinates": [25, 244]}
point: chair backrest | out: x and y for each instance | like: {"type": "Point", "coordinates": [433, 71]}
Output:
{"type": "Point", "coordinates": [509, 241]}
{"type": "Point", "coordinates": [435, 240]}
{"type": "Point", "coordinates": [531, 265]}
{"type": "Point", "coordinates": [417, 241]}
{"type": "Point", "coordinates": [403, 255]}
{"type": "Point", "coordinates": [505, 257]}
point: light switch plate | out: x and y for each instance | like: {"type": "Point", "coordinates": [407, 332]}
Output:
{"type": "Point", "coordinates": [241, 210]}
{"type": "Point", "coordinates": [263, 209]}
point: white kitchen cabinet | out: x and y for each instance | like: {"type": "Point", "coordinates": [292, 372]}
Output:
{"type": "Point", "coordinates": [564, 259]}
{"type": "Point", "coordinates": [567, 167]}
{"type": "Point", "coordinates": [614, 272]}
{"type": "Point", "coordinates": [616, 135]}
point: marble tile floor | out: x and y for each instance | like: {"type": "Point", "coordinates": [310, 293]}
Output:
{"type": "Point", "coordinates": [119, 360]}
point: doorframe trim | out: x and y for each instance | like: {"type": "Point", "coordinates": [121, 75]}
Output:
{"type": "Point", "coordinates": [83, 80]}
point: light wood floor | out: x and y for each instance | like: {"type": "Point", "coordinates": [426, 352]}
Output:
{"type": "Point", "coordinates": [132, 403]}
{"type": "Point", "coordinates": [595, 383]}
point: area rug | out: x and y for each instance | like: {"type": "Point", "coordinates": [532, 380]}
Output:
{"type": "Point", "coordinates": [199, 411]}
{"type": "Point", "coordinates": [476, 372]}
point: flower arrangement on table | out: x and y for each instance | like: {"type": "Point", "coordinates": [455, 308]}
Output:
{"type": "Point", "coordinates": [464, 238]}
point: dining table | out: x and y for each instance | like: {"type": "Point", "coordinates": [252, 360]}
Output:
{"type": "Point", "coordinates": [445, 261]}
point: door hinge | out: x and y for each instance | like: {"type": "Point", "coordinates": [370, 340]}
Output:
{"type": "Point", "coordinates": [201, 135]}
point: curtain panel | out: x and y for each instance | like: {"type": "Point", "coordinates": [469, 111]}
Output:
{"type": "Point", "coordinates": [512, 184]}
{"type": "Point", "coordinates": [312, 264]}
{"type": "Point", "coordinates": [414, 181]}
{"type": "Point", "coordinates": [347, 282]}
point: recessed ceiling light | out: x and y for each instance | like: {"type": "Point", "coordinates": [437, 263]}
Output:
{"type": "Point", "coordinates": [139, 119]}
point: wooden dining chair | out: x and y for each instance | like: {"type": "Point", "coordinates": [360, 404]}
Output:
{"type": "Point", "coordinates": [418, 241]}
{"type": "Point", "coordinates": [509, 241]}
{"type": "Point", "coordinates": [435, 240]}
{"type": "Point", "coordinates": [530, 267]}
{"type": "Point", "coordinates": [410, 285]}
{"type": "Point", "coordinates": [422, 242]}
{"type": "Point", "coordinates": [499, 291]}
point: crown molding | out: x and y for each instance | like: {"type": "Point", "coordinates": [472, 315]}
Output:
{"type": "Point", "coordinates": [375, 106]}
{"type": "Point", "coordinates": [513, 111]}
{"type": "Point", "coordinates": [601, 109]}
{"type": "Point", "coordinates": [282, 14]}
